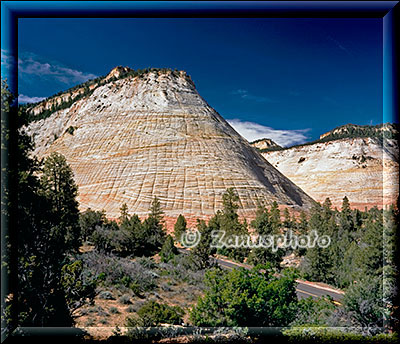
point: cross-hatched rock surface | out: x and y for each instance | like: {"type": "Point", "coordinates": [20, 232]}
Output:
{"type": "Point", "coordinates": [139, 137]}
{"type": "Point", "coordinates": [366, 170]}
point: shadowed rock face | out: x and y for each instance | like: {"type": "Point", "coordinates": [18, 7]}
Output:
{"type": "Point", "coordinates": [141, 137]}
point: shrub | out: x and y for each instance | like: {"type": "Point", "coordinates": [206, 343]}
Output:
{"type": "Point", "coordinates": [104, 321]}
{"type": "Point", "coordinates": [246, 298]}
{"type": "Point", "coordinates": [119, 272]}
{"type": "Point", "coordinates": [131, 309]}
{"type": "Point", "coordinates": [317, 334]}
{"type": "Point", "coordinates": [90, 322]}
{"type": "Point", "coordinates": [114, 310]}
{"type": "Point", "coordinates": [153, 313]}
{"type": "Point", "coordinates": [106, 295]}
{"type": "Point", "coordinates": [168, 250]}
{"type": "Point", "coordinates": [125, 299]}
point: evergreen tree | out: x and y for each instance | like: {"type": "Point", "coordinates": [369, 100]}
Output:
{"type": "Point", "coordinates": [317, 263]}
{"type": "Point", "coordinates": [45, 222]}
{"type": "Point", "coordinates": [228, 221]}
{"type": "Point", "coordinates": [302, 226]}
{"type": "Point", "coordinates": [264, 225]}
{"type": "Point", "coordinates": [275, 217]}
{"type": "Point", "coordinates": [246, 298]}
{"type": "Point", "coordinates": [302, 229]}
{"type": "Point", "coordinates": [89, 220]}
{"type": "Point", "coordinates": [58, 186]}
{"type": "Point", "coordinates": [168, 250]}
{"type": "Point", "coordinates": [346, 216]}
{"type": "Point", "coordinates": [154, 226]}
{"type": "Point", "coordinates": [124, 215]}
{"type": "Point", "coordinates": [201, 256]}
{"type": "Point", "coordinates": [287, 222]}
{"type": "Point", "coordinates": [180, 227]}
{"type": "Point", "coordinates": [369, 259]}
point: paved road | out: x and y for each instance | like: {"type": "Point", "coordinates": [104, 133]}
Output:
{"type": "Point", "coordinates": [304, 289]}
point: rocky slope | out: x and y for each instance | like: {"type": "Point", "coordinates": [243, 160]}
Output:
{"type": "Point", "coordinates": [365, 169]}
{"type": "Point", "coordinates": [152, 135]}
{"type": "Point", "coordinates": [265, 144]}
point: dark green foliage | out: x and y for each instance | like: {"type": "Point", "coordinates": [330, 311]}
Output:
{"type": "Point", "coordinates": [314, 312]}
{"type": "Point", "coordinates": [201, 256]}
{"type": "Point", "coordinates": [70, 130]}
{"type": "Point", "coordinates": [228, 221]}
{"type": "Point", "coordinates": [78, 285]}
{"type": "Point", "coordinates": [154, 226]}
{"type": "Point", "coordinates": [364, 305]}
{"type": "Point", "coordinates": [47, 224]}
{"type": "Point", "coordinates": [246, 298]}
{"type": "Point", "coordinates": [266, 223]}
{"type": "Point", "coordinates": [89, 220]}
{"type": "Point", "coordinates": [180, 227]}
{"type": "Point", "coordinates": [168, 251]}
{"type": "Point", "coordinates": [318, 262]}
{"type": "Point", "coordinates": [357, 244]}
{"type": "Point", "coordinates": [132, 237]}
{"type": "Point", "coordinates": [59, 188]}
{"type": "Point", "coordinates": [153, 313]}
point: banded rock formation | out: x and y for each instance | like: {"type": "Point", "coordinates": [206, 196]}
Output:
{"type": "Point", "coordinates": [265, 144]}
{"type": "Point", "coordinates": [365, 169]}
{"type": "Point", "coordinates": [152, 135]}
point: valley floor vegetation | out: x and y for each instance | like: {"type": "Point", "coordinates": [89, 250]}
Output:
{"type": "Point", "coordinates": [68, 268]}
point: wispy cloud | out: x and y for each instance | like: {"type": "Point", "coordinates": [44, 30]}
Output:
{"type": "Point", "coordinates": [23, 99]}
{"type": "Point", "coordinates": [254, 131]}
{"type": "Point", "coordinates": [244, 94]}
{"type": "Point", "coordinates": [31, 65]}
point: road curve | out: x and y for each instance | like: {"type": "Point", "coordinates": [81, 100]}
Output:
{"type": "Point", "coordinates": [304, 289]}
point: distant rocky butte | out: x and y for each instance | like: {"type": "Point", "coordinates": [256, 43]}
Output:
{"type": "Point", "coordinates": [263, 144]}
{"type": "Point", "coordinates": [152, 135]}
{"type": "Point", "coordinates": [365, 169]}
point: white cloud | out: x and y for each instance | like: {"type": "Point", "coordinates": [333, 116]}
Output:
{"type": "Point", "coordinates": [22, 99]}
{"type": "Point", "coordinates": [31, 65]}
{"type": "Point", "coordinates": [253, 131]}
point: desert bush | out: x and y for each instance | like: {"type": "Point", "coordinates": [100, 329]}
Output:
{"type": "Point", "coordinates": [125, 299]}
{"type": "Point", "coordinates": [114, 310]}
{"type": "Point", "coordinates": [131, 309]}
{"type": "Point", "coordinates": [119, 272]}
{"type": "Point", "coordinates": [153, 313]}
{"type": "Point", "coordinates": [106, 295]}
{"type": "Point", "coordinates": [180, 270]}
{"type": "Point", "coordinates": [168, 250]}
{"type": "Point", "coordinates": [90, 322]}
{"type": "Point", "coordinates": [104, 321]}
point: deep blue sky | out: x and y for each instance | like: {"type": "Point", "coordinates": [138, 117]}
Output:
{"type": "Point", "coordinates": [287, 74]}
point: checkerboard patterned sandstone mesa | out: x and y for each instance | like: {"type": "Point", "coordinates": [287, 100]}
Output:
{"type": "Point", "coordinates": [135, 137]}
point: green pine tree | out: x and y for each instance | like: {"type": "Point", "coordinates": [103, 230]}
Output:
{"type": "Point", "coordinates": [180, 227]}
{"type": "Point", "coordinates": [58, 186]}
{"type": "Point", "coordinates": [168, 250]}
